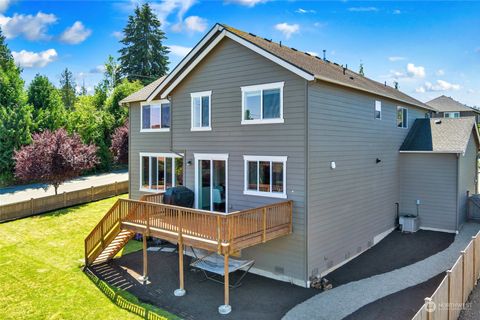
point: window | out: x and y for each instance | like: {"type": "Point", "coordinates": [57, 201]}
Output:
{"type": "Point", "coordinates": [155, 116]}
{"type": "Point", "coordinates": [160, 171]}
{"type": "Point", "coordinates": [378, 110]}
{"type": "Point", "coordinates": [265, 176]}
{"type": "Point", "coordinates": [402, 117]}
{"type": "Point", "coordinates": [451, 115]}
{"type": "Point", "coordinates": [262, 103]}
{"type": "Point", "coordinates": [201, 111]}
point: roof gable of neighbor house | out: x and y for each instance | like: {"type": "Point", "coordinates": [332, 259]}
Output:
{"type": "Point", "coordinates": [305, 65]}
{"type": "Point", "coordinates": [448, 104]}
{"type": "Point", "coordinates": [142, 94]}
{"type": "Point", "coordinates": [440, 135]}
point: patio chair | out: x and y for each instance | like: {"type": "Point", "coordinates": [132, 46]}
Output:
{"type": "Point", "coordinates": [211, 264]}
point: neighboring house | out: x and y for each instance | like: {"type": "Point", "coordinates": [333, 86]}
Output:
{"type": "Point", "coordinates": [446, 107]}
{"type": "Point", "coordinates": [245, 122]}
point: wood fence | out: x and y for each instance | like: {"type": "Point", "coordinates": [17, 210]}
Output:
{"type": "Point", "coordinates": [34, 206]}
{"type": "Point", "coordinates": [449, 299]}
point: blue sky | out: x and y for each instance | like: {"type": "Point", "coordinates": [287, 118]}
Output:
{"type": "Point", "coordinates": [430, 48]}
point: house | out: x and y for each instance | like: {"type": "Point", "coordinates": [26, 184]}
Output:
{"type": "Point", "coordinates": [447, 107]}
{"type": "Point", "coordinates": [246, 123]}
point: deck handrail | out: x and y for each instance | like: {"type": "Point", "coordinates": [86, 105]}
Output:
{"type": "Point", "coordinates": [233, 231]}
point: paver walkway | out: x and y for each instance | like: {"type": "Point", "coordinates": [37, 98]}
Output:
{"type": "Point", "coordinates": [25, 192]}
{"type": "Point", "coordinates": [346, 299]}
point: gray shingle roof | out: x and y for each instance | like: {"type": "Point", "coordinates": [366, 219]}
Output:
{"type": "Point", "coordinates": [440, 135]}
{"type": "Point", "coordinates": [328, 71]}
{"type": "Point", "coordinates": [445, 104]}
{"type": "Point", "coordinates": [142, 94]}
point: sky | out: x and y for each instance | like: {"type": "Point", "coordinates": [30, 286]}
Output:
{"type": "Point", "coordinates": [429, 48]}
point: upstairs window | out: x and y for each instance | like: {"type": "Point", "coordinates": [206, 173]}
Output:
{"type": "Point", "coordinates": [378, 110]}
{"type": "Point", "coordinates": [201, 111]}
{"type": "Point", "coordinates": [155, 116]}
{"type": "Point", "coordinates": [402, 117]}
{"type": "Point", "coordinates": [265, 176]}
{"type": "Point", "coordinates": [451, 115]}
{"type": "Point", "coordinates": [262, 103]}
{"type": "Point", "coordinates": [160, 171]}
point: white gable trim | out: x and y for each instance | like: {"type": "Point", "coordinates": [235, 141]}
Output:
{"type": "Point", "coordinates": [199, 58]}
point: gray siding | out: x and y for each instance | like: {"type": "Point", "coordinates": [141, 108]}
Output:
{"type": "Point", "coordinates": [350, 205]}
{"type": "Point", "coordinates": [432, 179]}
{"type": "Point", "coordinates": [228, 67]}
{"type": "Point", "coordinates": [467, 177]}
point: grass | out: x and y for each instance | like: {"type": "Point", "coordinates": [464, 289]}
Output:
{"type": "Point", "coordinates": [40, 268]}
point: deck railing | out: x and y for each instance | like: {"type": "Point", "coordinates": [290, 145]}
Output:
{"type": "Point", "coordinates": [206, 229]}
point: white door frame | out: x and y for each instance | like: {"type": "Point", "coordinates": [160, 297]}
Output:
{"type": "Point", "coordinates": [211, 156]}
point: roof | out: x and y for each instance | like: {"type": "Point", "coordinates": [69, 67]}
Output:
{"type": "Point", "coordinates": [449, 135]}
{"type": "Point", "coordinates": [446, 104]}
{"type": "Point", "coordinates": [142, 94]}
{"type": "Point", "coordinates": [311, 67]}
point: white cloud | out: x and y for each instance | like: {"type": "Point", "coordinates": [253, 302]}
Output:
{"type": "Point", "coordinates": [302, 11]}
{"type": "Point", "coordinates": [440, 72]}
{"type": "Point", "coordinates": [196, 24]}
{"type": "Point", "coordinates": [4, 4]}
{"type": "Point", "coordinates": [470, 91]}
{"type": "Point", "coordinates": [396, 58]}
{"type": "Point", "coordinates": [29, 59]}
{"type": "Point", "coordinates": [117, 34]}
{"type": "Point", "coordinates": [32, 27]}
{"type": "Point", "coordinates": [247, 3]}
{"type": "Point", "coordinates": [166, 8]}
{"type": "Point", "coordinates": [75, 34]}
{"type": "Point", "coordinates": [397, 11]}
{"type": "Point", "coordinates": [98, 69]}
{"type": "Point", "coordinates": [415, 71]}
{"type": "Point", "coordinates": [179, 50]}
{"type": "Point", "coordinates": [439, 85]}
{"type": "Point", "coordinates": [287, 29]}
{"type": "Point", "coordinates": [363, 9]}
{"type": "Point", "coordinates": [319, 24]}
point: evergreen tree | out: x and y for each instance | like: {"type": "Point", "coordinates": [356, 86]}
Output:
{"type": "Point", "coordinates": [111, 76]}
{"type": "Point", "coordinates": [361, 71]}
{"type": "Point", "coordinates": [112, 106]}
{"type": "Point", "coordinates": [12, 93]}
{"type": "Point", "coordinates": [67, 88]}
{"type": "Point", "coordinates": [143, 56]}
{"type": "Point", "coordinates": [48, 109]}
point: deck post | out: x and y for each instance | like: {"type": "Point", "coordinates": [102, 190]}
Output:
{"type": "Point", "coordinates": [144, 278]}
{"type": "Point", "coordinates": [226, 308]}
{"type": "Point", "coordinates": [180, 292]}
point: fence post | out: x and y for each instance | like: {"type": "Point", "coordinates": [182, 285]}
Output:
{"type": "Point", "coordinates": [264, 233]}
{"type": "Point", "coordinates": [426, 305]}
{"type": "Point", "coordinates": [474, 273]}
{"type": "Point", "coordinates": [116, 189]}
{"type": "Point", "coordinates": [31, 205]}
{"type": "Point", "coordinates": [463, 275]}
{"type": "Point", "coordinates": [91, 193]}
{"type": "Point", "coordinates": [449, 283]}
{"type": "Point", "coordinates": [64, 199]}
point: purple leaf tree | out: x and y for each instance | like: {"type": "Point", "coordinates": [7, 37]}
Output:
{"type": "Point", "coordinates": [119, 146]}
{"type": "Point", "coordinates": [53, 158]}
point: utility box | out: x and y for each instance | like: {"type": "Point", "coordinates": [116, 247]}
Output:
{"type": "Point", "coordinates": [409, 223]}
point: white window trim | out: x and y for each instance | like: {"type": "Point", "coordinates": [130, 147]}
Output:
{"type": "Point", "coordinates": [454, 113]}
{"type": "Point", "coordinates": [377, 103]}
{"type": "Point", "coordinates": [153, 154]}
{"type": "Point", "coordinates": [396, 123]}
{"type": "Point", "coordinates": [261, 87]}
{"type": "Point", "coordinates": [211, 156]}
{"type": "Point", "coordinates": [270, 194]}
{"type": "Point", "coordinates": [154, 102]}
{"type": "Point", "coordinates": [200, 95]}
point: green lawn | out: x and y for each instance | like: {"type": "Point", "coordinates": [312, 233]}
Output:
{"type": "Point", "coordinates": [40, 274]}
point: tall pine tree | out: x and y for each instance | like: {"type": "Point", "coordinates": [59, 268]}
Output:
{"type": "Point", "coordinates": [143, 56]}
{"type": "Point", "coordinates": [67, 88]}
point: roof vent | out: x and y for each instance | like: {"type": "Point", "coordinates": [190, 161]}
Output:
{"type": "Point", "coordinates": [294, 49]}
{"type": "Point", "coordinates": [351, 78]}
{"type": "Point", "coordinates": [252, 34]}
{"type": "Point", "coordinates": [324, 55]}
{"type": "Point", "coordinates": [438, 121]}
{"type": "Point", "coordinates": [308, 54]}
{"type": "Point", "coordinates": [269, 40]}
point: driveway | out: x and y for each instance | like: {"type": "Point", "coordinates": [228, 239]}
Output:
{"type": "Point", "coordinates": [25, 192]}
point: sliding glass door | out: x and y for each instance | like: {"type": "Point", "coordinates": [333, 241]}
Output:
{"type": "Point", "coordinates": [211, 182]}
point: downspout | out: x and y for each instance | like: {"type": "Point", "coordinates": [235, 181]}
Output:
{"type": "Point", "coordinates": [457, 194]}
{"type": "Point", "coordinates": [306, 183]}
{"type": "Point", "coordinates": [129, 153]}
